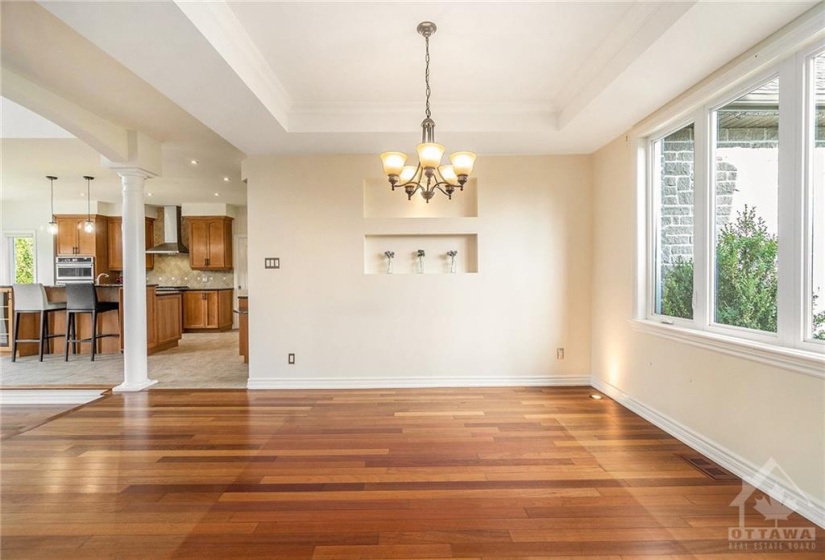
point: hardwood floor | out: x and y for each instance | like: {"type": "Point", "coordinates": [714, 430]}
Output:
{"type": "Point", "coordinates": [440, 473]}
{"type": "Point", "coordinates": [16, 419]}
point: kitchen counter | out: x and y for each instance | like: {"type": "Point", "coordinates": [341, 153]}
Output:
{"type": "Point", "coordinates": [163, 316]}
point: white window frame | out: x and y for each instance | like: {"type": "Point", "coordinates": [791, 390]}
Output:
{"type": "Point", "coordinates": [8, 254]}
{"type": "Point", "coordinates": [791, 347]}
{"type": "Point", "coordinates": [805, 61]}
{"type": "Point", "coordinates": [707, 269]}
{"type": "Point", "coordinates": [654, 223]}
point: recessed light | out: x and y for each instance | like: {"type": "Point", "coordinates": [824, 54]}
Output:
{"type": "Point", "coordinates": [194, 161]}
{"type": "Point", "coordinates": [596, 397]}
{"type": "Point", "coordinates": [83, 194]}
{"type": "Point", "coordinates": [217, 194]}
{"type": "Point", "coordinates": [148, 194]}
{"type": "Point", "coordinates": [226, 179]}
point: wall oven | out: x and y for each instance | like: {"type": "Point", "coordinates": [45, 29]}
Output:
{"type": "Point", "coordinates": [74, 270]}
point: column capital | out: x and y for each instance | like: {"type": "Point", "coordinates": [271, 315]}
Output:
{"type": "Point", "coordinates": [133, 172]}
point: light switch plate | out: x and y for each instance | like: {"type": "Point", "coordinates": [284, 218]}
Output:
{"type": "Point", "coordinates": [272, 262]}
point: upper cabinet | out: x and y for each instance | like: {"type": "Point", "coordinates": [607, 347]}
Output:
{"type": "Point", "coordinates": [72, 238]}
{"type": "Point", "coordinates": [116, 243]}
{"type": "Point", "coordinates": [210, 243]}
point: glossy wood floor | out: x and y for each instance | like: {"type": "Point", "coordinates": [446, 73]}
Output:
{"type": "Point", "coordinates": [451, 473]}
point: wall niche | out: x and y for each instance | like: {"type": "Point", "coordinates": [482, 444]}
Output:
{"type": "Point", "coordinates": [435, 246]}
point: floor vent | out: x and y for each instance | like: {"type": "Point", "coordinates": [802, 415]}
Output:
{"type": "Point", "coordinates": [711, 469]}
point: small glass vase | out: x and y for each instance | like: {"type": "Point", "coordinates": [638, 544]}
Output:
{"type": "Point", "coordinates": [389, 266]}
{"type": "Point", "coordinates": [420, 266]}
{"type": "Point", "coordinates": [452, 265]}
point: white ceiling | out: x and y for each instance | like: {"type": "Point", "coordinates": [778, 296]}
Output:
{"type": "Point", "coordinates": [213, 80]}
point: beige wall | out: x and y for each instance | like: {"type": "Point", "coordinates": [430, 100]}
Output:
{"type": "Point", "coordinates": [348, 328]}
{"type": "Point", "coordinates": [752, 410]}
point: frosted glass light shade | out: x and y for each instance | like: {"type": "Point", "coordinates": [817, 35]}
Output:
{"type": "Point", "coordinates": [393, 162]}
{"type": "Point", "coordinates": [463, 162]}
{"type": "Point", "coordinates": [89, 226]}
{"type": "Point", "coordinates": [429, 154]}
{"type": "Point", "coordinates": [448, 173]}
{"type": "Point", "coordinates": [407, 174]}
{"type": "Point", "coordinates": [52, 227]}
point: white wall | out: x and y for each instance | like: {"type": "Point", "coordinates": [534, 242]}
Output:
{"type": "Point", "coordinates": [347, 328]}
{"type": "Point", "coordinates": [752, 410]}
{"type": "Point", "coordinates": [28, 217]}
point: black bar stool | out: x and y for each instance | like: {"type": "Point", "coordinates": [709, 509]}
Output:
{"type": "Point", "coordinates": [31, 298]}
{"type": "Point", "coordinates": [82, 298]}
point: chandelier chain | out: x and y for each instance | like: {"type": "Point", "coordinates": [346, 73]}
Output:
{"type": "Point", "coordinates": [427, 74]}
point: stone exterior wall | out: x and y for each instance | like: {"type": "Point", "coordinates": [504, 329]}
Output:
{"type": "Point", "coordinates": [677, 197]}
{"type": "Point", "coordinates": [676, 213]}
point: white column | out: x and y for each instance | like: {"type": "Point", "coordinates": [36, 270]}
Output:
{"type": "Point", "coordinates": [135, 362]}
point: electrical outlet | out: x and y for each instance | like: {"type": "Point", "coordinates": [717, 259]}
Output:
{"type": "Point", "coordinates": [272, 262]}
{"type": "Point", "coordinates": [291, 359]}
{"type": "Point", "coordinates": [559, 353]}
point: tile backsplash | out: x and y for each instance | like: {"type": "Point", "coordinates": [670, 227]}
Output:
{"type": "Point", "coordinates": [174, 270]}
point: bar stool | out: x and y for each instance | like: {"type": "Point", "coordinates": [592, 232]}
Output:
{"type": "Point", "coordinates": [31, 298]}
{"type": "Point", "coordinates": [82, 298]}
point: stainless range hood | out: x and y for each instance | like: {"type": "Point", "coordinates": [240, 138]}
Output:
{"type": "Point", "coordinates": [171, 234]}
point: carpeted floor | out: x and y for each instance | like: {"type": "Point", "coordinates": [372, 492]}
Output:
{"type": "Point", "coordinates": [202, 360]}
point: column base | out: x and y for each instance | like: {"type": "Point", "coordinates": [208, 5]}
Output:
{"type": "Point", "coordinates": [133, 387]}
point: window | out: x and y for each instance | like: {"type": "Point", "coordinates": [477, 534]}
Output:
{"type": "Point", "coordinates": [22, 259]}
{"type": "Point", "coordinates": [746, 175]}
{"type": "Point", "coordinates": [673, 180]}
{"type": "Point", "coordinates": [816, 199]}
{"type": "Point", "coordinates": [736, 216]}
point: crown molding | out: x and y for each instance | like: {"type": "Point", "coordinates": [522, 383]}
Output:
{"type": "Point", "coordinates": [406, 117]}
{"type": "Point", "coordinates": [642, 25]}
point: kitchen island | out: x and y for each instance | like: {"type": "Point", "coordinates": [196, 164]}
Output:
{"type": "Point", "coordinates": [164, 322]}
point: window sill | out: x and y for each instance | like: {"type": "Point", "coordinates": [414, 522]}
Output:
{"type": "Point", "coordinates": [799, 361]}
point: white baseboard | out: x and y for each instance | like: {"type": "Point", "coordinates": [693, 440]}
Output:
{"type": "Point", "coordinates": [48, 396]}
{"type": "Point", "coordinates": [778, 489]}
{"type": "Point", "coordinates": [418, 382]}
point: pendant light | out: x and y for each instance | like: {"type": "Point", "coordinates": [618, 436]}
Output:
{"type": "Point", "coordinates": [89, 226]}
{"type": "Point", "coordinates": [53, 224]}
{"type": "Point", "coordinates": [429, 175]}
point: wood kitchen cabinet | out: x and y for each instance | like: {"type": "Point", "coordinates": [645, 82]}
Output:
{"type": "Point", "coordinates": [6, 320]}
{"type": "Point", "coordinates": [73, 240]}
{"type": "Point", "coordinates": [116, 243]}
{"type": "Point", "coordinates": [243, 330]}
{"type": "Point", "coordinates": [210, 243]}
{"type": "Point", "coordinates": [168, 319]}
{"type": "Point", "coordinates": [207, 310]}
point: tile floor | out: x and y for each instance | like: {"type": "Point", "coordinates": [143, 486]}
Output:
{"type": "Point", "coordinates": [202, 360]}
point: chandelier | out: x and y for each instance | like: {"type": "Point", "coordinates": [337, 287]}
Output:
{"type": "Point", "coordinates": [429, 175]}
